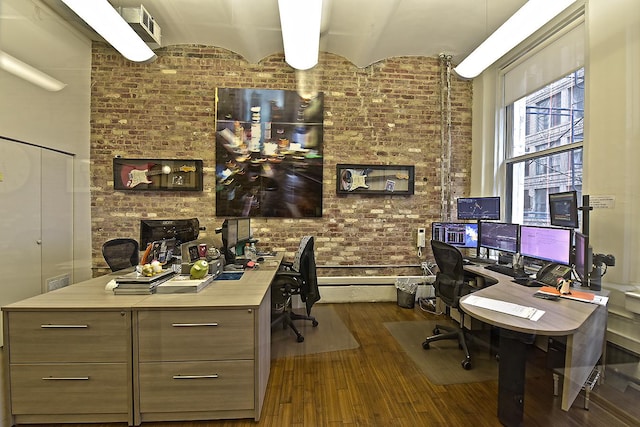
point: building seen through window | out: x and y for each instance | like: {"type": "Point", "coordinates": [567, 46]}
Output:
{"type": "Point", "coordinates": [545, 132]}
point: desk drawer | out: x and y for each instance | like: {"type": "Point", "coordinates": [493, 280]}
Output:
{"type": "Point", "coordinates": [195, 335]}
{"type": "Point", "coordinates": [74, 336]}
{"type": "Point", "coordinates": [78, 388]}
{"type": "Point", "coordinates": [196, 386]}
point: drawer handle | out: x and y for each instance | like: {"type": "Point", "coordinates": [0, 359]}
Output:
{"type": "Point", "coordinates": [63, 326]}
{"type": "Point", "coordinates": [183, 325]}
{"type": "Point", "coordinates": [191, 377]}
{"type": "Point", "coordinates": [65, 378]}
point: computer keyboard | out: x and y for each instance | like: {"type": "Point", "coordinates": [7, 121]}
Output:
{"type": "Point", "coordinates": [503, 269]}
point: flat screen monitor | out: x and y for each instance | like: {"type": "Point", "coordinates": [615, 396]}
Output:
{"type": "Point", "coordinates": [499, 236]}
{"type": "Point", "coordinates": [183, 230]}
{"type": "Point", "coordinates": [583, 261]}
{"type": "Point", "coordinates": [460, 234]}
{"type": "Point", "coordinates": [551, 244]}
{"type": "Point", "coordinates": [244, 229]}
{"type": "Point", "coordinates": [563, 209]}
{"type": "Point", "coordinates": [230, 234]}
{"type": "Point", "coordinates": [478, 208]}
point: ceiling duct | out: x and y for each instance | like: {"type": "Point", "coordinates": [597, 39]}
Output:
{"type": "Point", "coordinates": [143, 24]}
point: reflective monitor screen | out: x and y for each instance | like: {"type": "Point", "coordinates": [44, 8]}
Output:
{"type": "Point", "coordinates": [460, 234]}
{"type": "Point", "coordinates": [546, 243]}
{"type": "Point", "coordinates": [244, 229]}
{"type": "Point", "coordinates": [563, 209]}
{"type": "Point", "coordinates": [183, 230]}
{"type": "Point", "coordinates": [583, 258]}
{"type": "Point", "coordinates": [230, 233]}
{"type": "Point", "coordinates": [499, 236]}
{"type": "Point", "coordinates": [479, 208]}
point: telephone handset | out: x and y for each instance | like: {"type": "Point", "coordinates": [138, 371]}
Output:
{"type": "Point", "coordinates": [550, 273]}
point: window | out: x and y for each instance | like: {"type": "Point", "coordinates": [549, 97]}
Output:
{"type": "Point", "coordinates": [544, 134]}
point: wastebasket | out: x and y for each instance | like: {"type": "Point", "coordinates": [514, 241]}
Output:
{"type": "Point", "coordinates": [406, 288]}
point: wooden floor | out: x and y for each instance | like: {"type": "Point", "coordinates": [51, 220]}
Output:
{"type": "Point", "coordinates": [378, 385]}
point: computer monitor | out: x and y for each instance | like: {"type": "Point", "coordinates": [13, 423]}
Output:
{"type": "Point", "coordinates": [244, 229]}
{"type": "Point", "coordinates": [183, 230]}
{"type": "Point", "coordinates": [563, 209]}
{"type": "Point", "coordinates": [583, 261]}
{"type": "Point", "coordinates": [551, 244]}
{"type": "Point", "coordinates": [230, 233]}
{"type": "Point", "coordinates": [487, 208]}
{"type": "Point", "coordinates": [499, 236]}
{"type": "Point", "coordinates": [459, 234]}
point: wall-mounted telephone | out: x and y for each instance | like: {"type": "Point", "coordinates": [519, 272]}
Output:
{"type": "Point", "coordinates": [550, 273]}
{"type": "Point", "coordinates": [421, 240]}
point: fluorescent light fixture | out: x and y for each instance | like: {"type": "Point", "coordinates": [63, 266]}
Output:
{"type": "Point", "coordinates": [300, 24]}
{"type": "Point", "coordinates": [31, 74]}
{"type": "Point", "coordinates": [106, 21]}
{"type": "Point", "coordinates": [526, 21]}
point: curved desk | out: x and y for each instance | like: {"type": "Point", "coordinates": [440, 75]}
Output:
{"type": "Point", "coordinates": [583, 324]}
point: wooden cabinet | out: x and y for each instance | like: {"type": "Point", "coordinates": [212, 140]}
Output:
{"type": "Point", "coordinates": [70, 366]}
{"type": "Point", "coordinates": [81, 354]}
{"type": "Point", "coordinates": [196, 363]}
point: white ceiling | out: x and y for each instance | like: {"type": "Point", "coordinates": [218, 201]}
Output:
{"type": "Point", "coordinates": [363, 31]}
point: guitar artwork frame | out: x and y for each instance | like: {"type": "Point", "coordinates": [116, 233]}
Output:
{"type": "Point", "coordinates": [157, 175]}
{"type": "Point", "coordinates": [375, 179]}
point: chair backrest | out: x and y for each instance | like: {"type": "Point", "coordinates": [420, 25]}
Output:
{"type": "Point", "coordinates": [449, 284]}
{"type": "Point", "coordinates": [121, 253]}
{"type": "Point", "coordinates": [305, 264]}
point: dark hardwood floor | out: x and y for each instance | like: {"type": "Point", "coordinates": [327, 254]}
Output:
{"type": "Point", "coordinates": [378, 385]}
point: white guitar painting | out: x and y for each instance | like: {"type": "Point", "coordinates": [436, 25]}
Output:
{"type": "Point", "coordinates": [132, 176]}
{"type": "Point", "coordinates": [352, 179]}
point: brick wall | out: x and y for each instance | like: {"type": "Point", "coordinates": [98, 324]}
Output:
{"type": "Point", "coordinates": [387, 113]}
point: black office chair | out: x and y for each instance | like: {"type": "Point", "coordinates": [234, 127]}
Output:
{"type": "Point", "coordinates": [121, 253]}
{"type": "Point", "coordinates": [450, 285]}
{"type": "Point", "coordinates": [295, 278]}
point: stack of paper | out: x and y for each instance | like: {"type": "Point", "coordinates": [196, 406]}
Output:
{"type": "Point", "coordinates": [575, 295]}
{"type": "Point", "coordinates": [183, 284]}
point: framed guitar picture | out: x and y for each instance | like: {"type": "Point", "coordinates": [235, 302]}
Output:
{"type": "Point", "coordinates": [375, 179]}
{"type": "Point", "coordinates": [157, 175]}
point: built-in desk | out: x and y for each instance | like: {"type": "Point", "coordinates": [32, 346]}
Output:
{"type": "Point", "coordinates": [583, 324]}
{"type": "Point", "coordinates": [83, 354]}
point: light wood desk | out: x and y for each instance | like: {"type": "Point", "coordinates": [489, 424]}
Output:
{"type": "Point", "coordinates": [82, 354]}
{"type": "Point", "coordinates": [583, 324]}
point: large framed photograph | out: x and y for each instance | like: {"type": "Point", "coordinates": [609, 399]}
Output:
{"type": "Point", "coordinates": [268, 153]}
{"type": "Point", "coordinates": [375, 179]}
{"type": "Point", "coordinates": [157, 174]}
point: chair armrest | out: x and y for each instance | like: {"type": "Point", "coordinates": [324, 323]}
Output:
{"type": "Point", "coordinates": [286, 265]}
{"type": "Point", "coordinates": [287, 273]}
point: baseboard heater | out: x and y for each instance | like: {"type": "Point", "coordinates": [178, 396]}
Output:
{"type": "Point", "coordinates": [338, 289]}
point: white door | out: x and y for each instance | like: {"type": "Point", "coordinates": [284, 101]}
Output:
{"type": "Point", "coordinates": [20, 221]}
{"type": "Point", "coordinates": [57, 220]}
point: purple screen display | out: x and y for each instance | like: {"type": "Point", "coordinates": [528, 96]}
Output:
{"type": "Point", "coordinates": [545, 243]}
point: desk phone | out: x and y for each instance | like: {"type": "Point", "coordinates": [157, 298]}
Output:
{"type": "Point", "coordinates": [550, 273]}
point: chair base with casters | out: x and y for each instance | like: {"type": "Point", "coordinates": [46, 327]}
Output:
{"type": "Point", "coordinates": [450, 285]}
{"type": "Point", "coordinates": [282, 311]}
{"type": "Point", "coordinates": [295, 278]}
{"type": "Point", "coordinates": [441, 332]}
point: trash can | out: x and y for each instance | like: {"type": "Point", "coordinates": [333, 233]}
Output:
{"type": "Point", "coordinates": [406, 288]}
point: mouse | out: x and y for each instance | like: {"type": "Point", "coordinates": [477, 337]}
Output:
{"type": "Point", "coordinates": [260, 259]}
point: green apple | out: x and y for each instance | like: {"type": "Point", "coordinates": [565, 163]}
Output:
{"type": "Point", "coordinates": [199, 269]}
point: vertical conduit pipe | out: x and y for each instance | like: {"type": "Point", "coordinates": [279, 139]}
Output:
{"type": "Point", "coordinates": [445, 137]}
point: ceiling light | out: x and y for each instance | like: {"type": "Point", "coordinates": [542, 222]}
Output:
{"type": "Point", "coordinates": [526, 21]}
{"type": "Point", "coordinates": [107, 22]}
{"type": "Point", "coordinates": [300, 24]}
{"type": "Point", "coordinates": [29, 73]}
